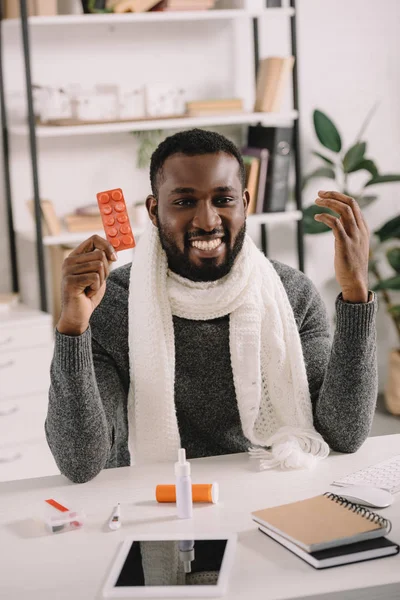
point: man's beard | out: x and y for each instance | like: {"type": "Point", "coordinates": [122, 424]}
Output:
{"type": "Point", "coordinates": [209, 270]}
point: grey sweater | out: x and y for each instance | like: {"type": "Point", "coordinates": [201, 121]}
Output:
{"type": "Point", "coordinates": [86, 425]}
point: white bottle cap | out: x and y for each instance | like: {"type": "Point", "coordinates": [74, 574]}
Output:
{"type": "Point", "coordinates": [182, 467]}
{"type": "Point", "coordinates": [215, 492]}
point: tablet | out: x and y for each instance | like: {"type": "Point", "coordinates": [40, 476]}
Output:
{"type": "Point", "coordinates": [171, 565]}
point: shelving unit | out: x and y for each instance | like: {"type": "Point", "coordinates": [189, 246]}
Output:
{"type": "Point", "coordinates": [34, 132]}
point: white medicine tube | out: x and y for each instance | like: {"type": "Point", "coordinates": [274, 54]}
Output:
{"type": "Point", "coordinates": [184, 501]}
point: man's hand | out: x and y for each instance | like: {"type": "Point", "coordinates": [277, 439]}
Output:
{"type": "Point", "coordinates": [351, 244]}
{"type": "Point", "coordinates": [84, 275]}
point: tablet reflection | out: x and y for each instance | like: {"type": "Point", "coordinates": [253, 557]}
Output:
{"type": "Point", "coordinates": [171, 563]}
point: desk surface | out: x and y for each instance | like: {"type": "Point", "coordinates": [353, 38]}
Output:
{"type": "Point", "coordinates": [35, 565]}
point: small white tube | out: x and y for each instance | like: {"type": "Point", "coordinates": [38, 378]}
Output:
{"type": "Point", "coordinates": [184, 501]}
{"type": "Point", "coordinates": [186, 554]}
{"type": "Point", "coordinates": [115, 519]}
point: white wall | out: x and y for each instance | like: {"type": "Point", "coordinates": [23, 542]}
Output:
{"type": "Point", "coordinates": [348, 58]}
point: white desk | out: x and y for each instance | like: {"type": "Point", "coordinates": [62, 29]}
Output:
{"type": "Point", "coordinates": [73, 565]}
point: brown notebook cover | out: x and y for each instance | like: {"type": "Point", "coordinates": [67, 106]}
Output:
{"type": "Point", "coordinates": [322, 522]}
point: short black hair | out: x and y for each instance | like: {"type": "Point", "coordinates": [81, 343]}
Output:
{"type": "Point", "coordinates": [191, 143]}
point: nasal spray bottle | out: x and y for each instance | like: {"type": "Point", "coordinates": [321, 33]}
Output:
{"type": "Point", "coordinates": [184, 502]}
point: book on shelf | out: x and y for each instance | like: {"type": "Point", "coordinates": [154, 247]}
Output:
{"type": "Point", "coordinates": [77, 223]}
{"type": "Point", "coordinates": [198, 108]}
{"type": "Point", "coordinates": [177, 5]}
{"type": "Point", "coordinates": [341, 555]}
{"type": "Point", "coordinates": [272, 81]}
{"type": "Point", "coordinates": [262, 155]}
{"type": "Point", "coordinates": [252, 166]}
{"type": "Point", "coordinates": [51, 224]}
{"type": "Point", "coordinates": [35, 8]}
{"type": "Point", "coordinates": [8, 301]}
{"type": "Point", "coordinates": [322, 522]}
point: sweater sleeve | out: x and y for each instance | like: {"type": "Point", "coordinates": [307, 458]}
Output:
{"type": "Point", "coordinates": [342, 376]}
{"type": "Point", "coordinates": [84, 396]}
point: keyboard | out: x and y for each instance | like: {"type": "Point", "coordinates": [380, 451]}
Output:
{"type": "Point", "coordinates": [385, 475]}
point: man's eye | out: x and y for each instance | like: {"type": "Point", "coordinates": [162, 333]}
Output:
{"type": "Point", "coordinates": [224, 200]}
{"type": "Point", "coordinates": [185, 202]}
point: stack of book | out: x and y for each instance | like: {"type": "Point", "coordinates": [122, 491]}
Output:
{"type": "Point", "coordinates": [327, 531]}
{"type": "Point", "coordinates": [171, 5]}
{"type": "Point", "coordinates": [201, 108]}
{"type": "Point", "coordinates": [272, 146]}
{"type": "Point", "coordinates": [86, 218]}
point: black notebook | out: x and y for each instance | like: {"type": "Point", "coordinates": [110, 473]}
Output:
{"type": "Point", "coordinates": [342, 555]}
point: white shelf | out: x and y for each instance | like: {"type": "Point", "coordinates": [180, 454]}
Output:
{"type": "Point", "coordinates": [150, 17]}
{"type": "Point", "coordinates": [267, 119]}
{"type": "Point", "coordinates": [276, 217]}
{"type": "Point", "coordinates": [68, 238]}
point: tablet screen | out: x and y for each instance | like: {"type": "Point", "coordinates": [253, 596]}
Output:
{"type": "Point", "coordinates": [171, 563]}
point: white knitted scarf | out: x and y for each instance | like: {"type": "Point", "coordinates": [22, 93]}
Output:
{"type": "Point", "coordinates": [266, 356]}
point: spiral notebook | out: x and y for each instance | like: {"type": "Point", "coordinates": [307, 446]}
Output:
{"type": "Point", "coordinates": [322, 522]}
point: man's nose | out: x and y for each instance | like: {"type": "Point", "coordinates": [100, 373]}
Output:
{"type": "Point", "coordinates": [206, 217]}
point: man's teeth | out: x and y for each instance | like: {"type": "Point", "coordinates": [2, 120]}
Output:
{"type": "Point", "coordinates": [211, 245]}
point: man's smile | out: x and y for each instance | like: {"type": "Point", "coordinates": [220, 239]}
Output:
{"type": "Point", "coordinates": [207, 248]}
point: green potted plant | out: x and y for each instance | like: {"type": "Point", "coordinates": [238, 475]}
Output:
{"type": "Point", "coordinates": [339, 165]}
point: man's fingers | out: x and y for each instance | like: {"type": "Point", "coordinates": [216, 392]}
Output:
{"type": "Point", "coordinates": [86, 280]}
{"type": "Point", "coordinates": [93, 243]}
{"type": "Point", "coordinates": [344, 210]}
{"type": "Point", "coordinates": [334, 223]}
{"type": "Point", "coordinates": [348, 201]}
{"type": "Point", "coordinates": [95, 266]}
{"type": "Point", "coordinates": [95, 256]}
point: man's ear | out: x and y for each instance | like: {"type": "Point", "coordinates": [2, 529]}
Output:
{"type": "Point", "coordinates": [152, 208]}
{"type": "Point", "coordinates": [246, 201]}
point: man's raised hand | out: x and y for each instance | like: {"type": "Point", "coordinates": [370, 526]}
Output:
{"type": "Point", "coordinates": [351, 243]}
{"type": "Point", "coordinates": [84, 274]}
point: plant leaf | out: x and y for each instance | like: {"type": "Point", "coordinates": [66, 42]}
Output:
{"type": "Point", "coordinates": [390, 230]}
{"type": "Point", "coordinates": [393, 256]}
{"type": "Point", "coordinates": [354, 156]}
{"type": "Point", "coordinates": [326, 132]}
{"type": "Point", "coordinates": [383, 179]}
{"type": "Point", "coordinates": [312, 226]}
{"type": "Point", "coordinates": [393, 283]}
{"type": "Point", "coordinates": [324, 158]}
{"type": "Point", "coordinates": [367, 165]}
{"type": "Point", "coordinates": [320, 172]}
{"type": "Point", "coordinates": [365, 201]}
{"type": "Point", "coordinates": [395, 311]}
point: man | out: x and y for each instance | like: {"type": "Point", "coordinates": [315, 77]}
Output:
{"type": "Point", "coordinates": [203, 343]}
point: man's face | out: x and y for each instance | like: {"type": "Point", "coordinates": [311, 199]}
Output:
{"type": "Point", "coordinates": [200, 214]}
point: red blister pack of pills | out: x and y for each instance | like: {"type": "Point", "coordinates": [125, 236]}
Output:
{"type": "Point", "coordinates": [115, 219]}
